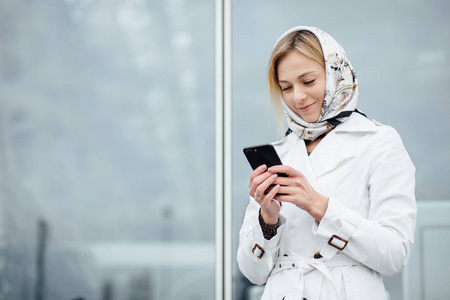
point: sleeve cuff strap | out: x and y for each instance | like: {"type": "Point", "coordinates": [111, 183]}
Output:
{"type": "Point", "coordinates": [338, 221]}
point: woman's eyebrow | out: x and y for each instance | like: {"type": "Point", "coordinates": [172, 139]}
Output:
{"type": "Point", "coordinates": [298, 78]}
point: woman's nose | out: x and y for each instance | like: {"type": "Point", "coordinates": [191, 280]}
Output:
{"type": "Point", "coordinates": [299, 95]}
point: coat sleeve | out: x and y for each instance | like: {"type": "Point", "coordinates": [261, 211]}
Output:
{"type": "Point", "coordinates": [256, 255]}
{"type": "Point", "coordinates": [383, 241]}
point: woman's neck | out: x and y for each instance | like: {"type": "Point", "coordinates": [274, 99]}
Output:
{"type": "Point", "coordinates": [311, 145]}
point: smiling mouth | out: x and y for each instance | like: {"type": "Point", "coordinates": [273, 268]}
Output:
{"type": "Point", "coordinates": [306, 106]}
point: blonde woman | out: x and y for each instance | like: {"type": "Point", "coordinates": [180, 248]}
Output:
{"type": "Point", "coordinates": [346, 214]}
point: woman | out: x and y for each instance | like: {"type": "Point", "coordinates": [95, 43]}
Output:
{"type": "Point", "coordinates": [346, 214]}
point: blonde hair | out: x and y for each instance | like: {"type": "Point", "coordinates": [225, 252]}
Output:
{"type": "Point", "coordinates": [306, 43]}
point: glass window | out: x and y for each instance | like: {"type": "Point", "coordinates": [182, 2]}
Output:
{"type": "Point", "coordinates": [107, 150]}
{"type": "Point", "coordinates": [399, 53]}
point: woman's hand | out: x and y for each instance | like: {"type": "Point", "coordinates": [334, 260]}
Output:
{"type": "Point", "coordinates": [260, 181]}
{"type": "Point", "coordinates": [297, 190]}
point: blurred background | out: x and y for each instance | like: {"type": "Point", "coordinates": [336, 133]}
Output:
{"type": "Point", "coordinates": [107, 136]}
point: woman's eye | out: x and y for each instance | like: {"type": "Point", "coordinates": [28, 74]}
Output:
{"type": "Point", "coordinates": [283, 89]}
{"type": "Point", "coordinates": [309, 82]}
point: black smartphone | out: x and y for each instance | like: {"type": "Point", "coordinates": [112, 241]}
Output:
{"type": "Point", "coordinates": [263, 155]}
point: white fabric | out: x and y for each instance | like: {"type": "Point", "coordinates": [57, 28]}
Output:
{"type": "Point", "coordinates": [308, 264]}
{"type": "Point", "coordinates": [341, 92]}
{"type": "Point", "coordinates": [364, 170]}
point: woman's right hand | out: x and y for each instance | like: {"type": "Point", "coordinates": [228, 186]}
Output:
{"type": "Point", "coordinates": [260, 181]}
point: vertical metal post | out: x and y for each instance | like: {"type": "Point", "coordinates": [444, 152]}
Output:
{"type": "Point", "coordinates": [40, 260]}
{"type": "Point", "coordinates": [227, 154]}
{"type": "Point", "coordinates": [223, 151]}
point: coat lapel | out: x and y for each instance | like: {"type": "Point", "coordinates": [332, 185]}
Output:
{"type": "Point", "coordinates": [338, 146]}
{"type": "Point", "coordinates": [329, 154]}
{"type": "Point", "coordinates": [301, 162]}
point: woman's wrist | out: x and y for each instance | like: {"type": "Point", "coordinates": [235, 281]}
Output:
{"type": "Point", "coordinates": [269, 231]}
{"type": "Point", "coordinates": [268, 219]}
{"type": "Point", "coordinates": [318, 207]}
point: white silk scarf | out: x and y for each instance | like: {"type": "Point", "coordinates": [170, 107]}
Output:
{"type": "Point", "coordinates": [341, 92]}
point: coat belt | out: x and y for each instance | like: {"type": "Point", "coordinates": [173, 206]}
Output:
{"type": "Point", "coordinates": [305, 265]}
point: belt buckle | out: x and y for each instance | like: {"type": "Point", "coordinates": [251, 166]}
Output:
{"type": "Point", "coordinates": [260, 249]}
{"type": "Point", "coordinates": [330, 242]}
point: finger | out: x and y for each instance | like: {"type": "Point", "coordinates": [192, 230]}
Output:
{"type": "Point", "coordinates": [284, 181]}
{"type": "Point", "coordinates": [257, 182]}
{"type": "Point", "coordinates": [269, 188]}
{"type": "Point", "coordinates": [258, 171]}
{"type": "Point", "coordinates": [259, 179]}
{"type": "Point", "coordinates": [293, 182]}
{"type": "Point", "coordinates": [273, 191]}
{"type": "Point", "coordinates": [260, 190]}
{"type": "Point", "coordinates": [284, 198]}
{"type": "Point", "coordinates": [291, 172]}
{"type": "Point", "coordinates": [288, 190]}
{"type": "Point", "coordinates": [258, 198]}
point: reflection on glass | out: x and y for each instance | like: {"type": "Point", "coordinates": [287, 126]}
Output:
{"type": "Point", "coordinates": [107, 150]}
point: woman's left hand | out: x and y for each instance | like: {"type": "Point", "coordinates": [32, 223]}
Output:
{"type": "Point", "coordinates": [297, 190]}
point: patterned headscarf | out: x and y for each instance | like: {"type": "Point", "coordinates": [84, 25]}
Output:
{"type": "Point", "coordinates": [341, 92]}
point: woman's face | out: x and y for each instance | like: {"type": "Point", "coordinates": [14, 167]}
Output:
{"type": "Point", "coordinates": [302, 84]}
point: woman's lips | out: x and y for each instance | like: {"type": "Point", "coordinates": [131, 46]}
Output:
{"type": "Point", "coordinates": [306, 107]}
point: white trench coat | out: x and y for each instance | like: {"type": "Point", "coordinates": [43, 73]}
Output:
{"type": "Point", "coordinates": [364, 170]}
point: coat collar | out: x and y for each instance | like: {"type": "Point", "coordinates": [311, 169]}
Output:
{"type": "Point", "coordinates": [357, 123]}
{"type": "Point", "coordinates": [336, 147]}
{"type": "Point", "coordinates": [332, 150]}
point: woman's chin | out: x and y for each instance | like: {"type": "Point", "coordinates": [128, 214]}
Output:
{"type": "Point", "coordinates": [310, 119]}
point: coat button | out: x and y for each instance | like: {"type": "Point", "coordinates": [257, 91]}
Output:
{"type": "Point", "coordinates": [293, 265]}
